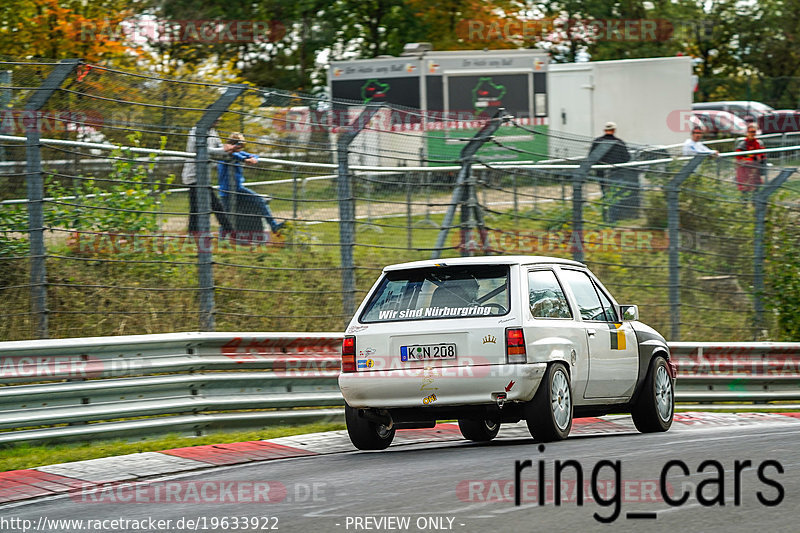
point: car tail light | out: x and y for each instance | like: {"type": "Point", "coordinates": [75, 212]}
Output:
{"type": "Point", "coordinates": [349, 354]}
{"type": "Point", "coordinates": [515, 346]}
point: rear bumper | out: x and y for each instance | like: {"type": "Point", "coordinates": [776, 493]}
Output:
{"type": "Point", "coordinates": [448, 386]}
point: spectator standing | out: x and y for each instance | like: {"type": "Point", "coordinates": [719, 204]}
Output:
{"type": "Point", "coordinates": [693, 146]}
{"type": "Point", "coordinates": [216, 150]}
{"type": "Point", "coordinates": [627, 178]}
{"type": "Point", "coordinates": [231, 180]}
{"type": "Point", "coordinates": [749, 166]}
{"type": "Point", "coordinates": [618, 153]}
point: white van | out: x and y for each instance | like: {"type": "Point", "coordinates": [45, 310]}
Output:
{"type": "Point", "coordinates": [747, 110]}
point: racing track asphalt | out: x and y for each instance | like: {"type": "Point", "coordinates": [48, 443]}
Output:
{"type": "Point", "coordinates": [461, 486]}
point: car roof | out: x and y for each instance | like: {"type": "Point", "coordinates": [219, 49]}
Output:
{"type": "Point", "coordinates": [485, 260]}
{"type": "Point", "coordinates": [712, 112]}
{"type": "Point", "coordinates": [731, 102]}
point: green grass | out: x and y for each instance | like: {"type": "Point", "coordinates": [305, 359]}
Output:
{"type": "Point", "coordinates": [27, 456]}
{"type": "Point", "coordinates": [297, 286]}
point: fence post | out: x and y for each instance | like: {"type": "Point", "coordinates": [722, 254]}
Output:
{"type": "Point", "coordinates": [5, 100]}
{"type": "Point", "coordinates": [760, 203]}
{"type": "Point", "coordinates": [470, 217]}
{"type": "Point", "coordinates": [409, 212]}
{"type": "Point", "coordinates": [673, 229]}
{"type": "Point", "coordinates": [461, 192]}
{"type": "Point", "coordinates": [347, 215]}
{"type": "Point", "coordinates": [578, 177]}
{"type": "Point", "coordinates": [205, 274]}
{"type": "Point", "coordinates": [35, 185]}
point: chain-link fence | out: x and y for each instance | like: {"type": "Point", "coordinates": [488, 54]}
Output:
{"type": "Point", "coordinates": [128, 206]}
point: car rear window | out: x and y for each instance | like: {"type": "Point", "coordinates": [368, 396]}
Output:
{"type": "Point", "coordinates": [440, 292]}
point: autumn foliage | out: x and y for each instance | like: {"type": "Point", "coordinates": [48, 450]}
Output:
{"type": "Point", "coordinates": [54, 29]}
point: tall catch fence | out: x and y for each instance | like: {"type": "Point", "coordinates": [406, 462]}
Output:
{"type": "Point", "coordinates": [104, 232]}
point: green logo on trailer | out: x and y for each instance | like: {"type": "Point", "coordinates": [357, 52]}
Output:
{"type": "Point", "coordinates": [487, 95]}
{"type": "Point", "coordinates": [374, 90]}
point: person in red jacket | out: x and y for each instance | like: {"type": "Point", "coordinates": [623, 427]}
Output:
{"type": "Point", "coordinates": [749, 167]}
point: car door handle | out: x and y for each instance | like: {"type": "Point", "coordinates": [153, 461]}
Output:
{"type": "Point", "coordinates": [591, 332]}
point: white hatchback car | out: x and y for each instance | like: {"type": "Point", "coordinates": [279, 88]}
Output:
{"type": "Point", "coordinates": [487, 340]}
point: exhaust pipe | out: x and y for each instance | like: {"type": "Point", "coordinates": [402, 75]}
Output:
{"type": "Point", "coordinates": [500, 398]}
{"type": "Point", "coordinates": [380, 417]}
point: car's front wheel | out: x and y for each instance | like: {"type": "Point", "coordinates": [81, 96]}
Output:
{"type": "Point", "coordinates": [364, 433]}
{"type": "Point", "coordinates": [478, 430]}
{"type": "Point", "coordinates": [655, 407]}
{"type": "Point", "coordinates": [549, 413]}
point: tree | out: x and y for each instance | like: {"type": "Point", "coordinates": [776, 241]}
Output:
{"type": "Point", "coordinates": [57, 29]}
{"type": "Point", "coordinates": [769, 47]}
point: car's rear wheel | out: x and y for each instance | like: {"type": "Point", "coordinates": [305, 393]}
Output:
{"type": "Point", "coordinates": [364, 433]}
{"type": "Point", "coordinates": [655, 407]}
{"type": "Point", "coordinates": [478, 430]}
{"type": "Point", "coordinates": [549, 413]}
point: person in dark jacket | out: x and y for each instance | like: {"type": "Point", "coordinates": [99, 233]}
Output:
{"type": "Point", "coordinates": [618, 153]}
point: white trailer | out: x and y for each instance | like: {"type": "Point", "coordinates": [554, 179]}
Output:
{"type": "Point", "coordinates": [649, 99]}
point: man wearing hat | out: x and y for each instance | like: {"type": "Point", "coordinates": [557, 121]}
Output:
{"type": "Point", "coordinates": [618, 153]}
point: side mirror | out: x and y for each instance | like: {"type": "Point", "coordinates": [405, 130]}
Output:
{"type": "Point", "coordinates": [629, 312]}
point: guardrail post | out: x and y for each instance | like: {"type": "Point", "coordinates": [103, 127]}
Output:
{"type": "Point", "coordinates": [673, 229]}
{"type": "Point", "coordinates": [578, 178]}
{"type": "Point", "coordinates": [462, 191]}
{"type": "Point", "coordinates": [760, 203]}
{"type": "Point", "coordinates": [205, 274]}
{"type": "Point", "coordinates": [35, 184]}
{"type": "Point", "coordinates": [347, 216]}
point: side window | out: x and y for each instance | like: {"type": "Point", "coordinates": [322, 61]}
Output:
{"type": "Point", "coordinates": [608, 307]}
{"type": "Point", "coordinates": [546, 298]}
{"type": "Point", "coordinates": [585, 294]}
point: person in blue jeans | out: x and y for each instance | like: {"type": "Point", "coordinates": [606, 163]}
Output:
{"type": "Point", "coordinates": [231, 170]}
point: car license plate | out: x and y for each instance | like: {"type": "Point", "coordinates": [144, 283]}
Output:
{"type": "Point", "coordinates": [418, 352]}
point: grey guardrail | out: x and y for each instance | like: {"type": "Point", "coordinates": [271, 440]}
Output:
{"type": "Point", "coordinates": [764, 375]}
{"type": "Point", "coordinates": [79, 389]}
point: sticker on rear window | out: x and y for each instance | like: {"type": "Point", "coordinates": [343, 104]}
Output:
{"type": "Point", "coordinates": [430, 293]}
{"type": "Point", "coordinates": [477, 310]}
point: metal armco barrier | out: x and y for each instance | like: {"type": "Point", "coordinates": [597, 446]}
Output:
{"type": "Point", "coordinates": [757, 374]}
{"type": "Point", "coordinates": [182, 382]}
{"type": "Point", "coordinates": [79, 389]}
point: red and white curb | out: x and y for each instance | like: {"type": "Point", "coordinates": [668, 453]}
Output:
{"type": "Point", "coordinates": [18, 485]}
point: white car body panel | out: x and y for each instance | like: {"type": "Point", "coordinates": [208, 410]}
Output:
{"type": "Point", "coordinates": [441, 386]}
{"type": "Point", "coordinates": [479, 372]}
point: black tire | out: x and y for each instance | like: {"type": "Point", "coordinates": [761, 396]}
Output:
{"type": "Point", "coordinates": [364, 433]}
{"type": "Point", "coordinates": [655, 405]}
{"type": "Point", "coordinates": [478, 430]}
{"type": "Point", "coordinates": [549, 413]}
